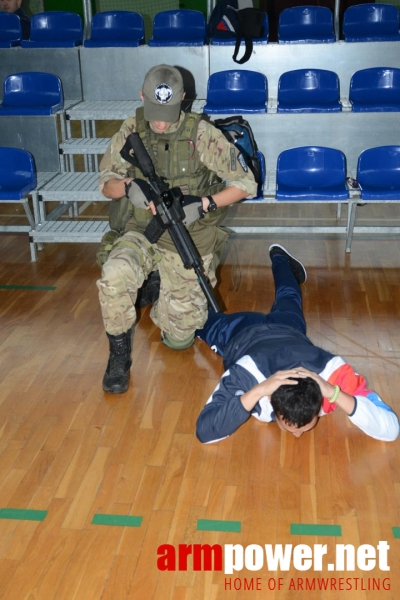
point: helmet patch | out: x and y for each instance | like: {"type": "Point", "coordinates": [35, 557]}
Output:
{"type": "Point", "coordinates": [163, 93]}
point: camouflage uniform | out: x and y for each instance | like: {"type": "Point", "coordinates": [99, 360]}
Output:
{"type": "Point", "coordinates": [182, 307]}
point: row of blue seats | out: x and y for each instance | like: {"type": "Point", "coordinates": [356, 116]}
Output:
{"type": "Point", "coordinates": [234, 92]}
{"type": "Point", "coordinates": [319, 173]}
{"type": "Point", "coordinates": [304, 173]}
{"type": "Point", "coordinates": [364, 22]}
{"type": "Point", "coordinates": [303, 90]}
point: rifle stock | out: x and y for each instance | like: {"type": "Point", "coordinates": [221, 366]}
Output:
{"type": "Point", "coordinates": [170, 214]}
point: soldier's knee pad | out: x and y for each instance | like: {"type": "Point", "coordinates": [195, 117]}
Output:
{"type": "Point", "coordinates": [177, 344]}
{"type": "Point", "coordinates": [124, 267]}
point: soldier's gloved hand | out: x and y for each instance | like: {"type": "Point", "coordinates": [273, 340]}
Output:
{"type": "Point", "coordinates": [140, 193]}
{"type": "Point", "coordinates": [193, 207]}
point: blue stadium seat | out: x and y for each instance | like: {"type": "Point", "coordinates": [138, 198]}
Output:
{"type": "Point", "coordinates": [10, 30]}
{"type": "Point", "coordinates": [371, 23]}
{"type": "Point", "coordinates": [308, 91]}
{"type": "Point", "coordinates": [55, 29]}
{"type": "Point", "coordinates": [230, 41]}
{"type": "Point", "coordinates": [122, 28]}
{"type": "Point", "coordinates": [306, 24]}
{"type": "Point", "coordinates": [17, 173]}
{"type": "Point", "coordinates": [375, 90]}
{"type": "Point", "coordinates": [236, 92]}
{"type": "Point", "coordinates": [179, 28]}
{"type": "Point", "coordinates": [311, 173]}
{"type": "Point", "coordinates": [31, 93]}
{"type": "Point", "coordinates": [378, 173]}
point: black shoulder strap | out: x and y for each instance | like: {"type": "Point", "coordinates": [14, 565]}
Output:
{"type": "Point", "coordinates": [250, 26]}
{"type": "Point", "coordinates": [248, 48]}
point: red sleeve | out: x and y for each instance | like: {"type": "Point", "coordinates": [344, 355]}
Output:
{"type": "Point", "coordinates": [349, 381]}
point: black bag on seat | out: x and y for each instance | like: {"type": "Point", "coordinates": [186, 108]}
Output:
{"type": "Point", "coordinates": [238, 131]}
{"type": "Point", "coordinates": [237, 19]}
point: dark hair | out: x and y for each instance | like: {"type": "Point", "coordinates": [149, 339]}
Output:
{"type": "Point", "coordinates": [299, 403]}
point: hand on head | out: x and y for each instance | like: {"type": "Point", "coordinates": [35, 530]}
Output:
{"type": "Point", "coordinates": [286, 377]}
{"type": "Point", "coordinates": [326, 388]}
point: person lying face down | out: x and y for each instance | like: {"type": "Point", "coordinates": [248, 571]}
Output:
{"type": "Point", "coordinates": [274, 373]}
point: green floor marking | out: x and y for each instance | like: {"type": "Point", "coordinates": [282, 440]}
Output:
{"type": "Point", "coordinates": [120, 520]}
{"type": "Point", "coordinates": [209, 525]}
{"type": "Point", "coordinates": [396, 532]}
{"type": "Point", "coordinates": [300, 529]}
{"type": "Point", "coordinates": [28, 287]}
{"type": "Point", "coordinates": [23, 514]}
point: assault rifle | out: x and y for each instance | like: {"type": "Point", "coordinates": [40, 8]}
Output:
{"type": "Point", "coordinates": [170, 214]}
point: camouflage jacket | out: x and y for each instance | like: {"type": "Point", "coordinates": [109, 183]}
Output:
{"type": "Point", "coordinates": [214, 151]}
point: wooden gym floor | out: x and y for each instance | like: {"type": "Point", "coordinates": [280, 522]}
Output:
{"type": "Point", "coordinates": [73, 460]}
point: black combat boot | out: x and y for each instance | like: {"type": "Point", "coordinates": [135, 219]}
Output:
{"type": "Point", "coordinates": [116, 377]}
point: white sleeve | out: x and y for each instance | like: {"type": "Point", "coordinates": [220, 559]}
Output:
{"type": "Point", "coordinates": [375, 418]}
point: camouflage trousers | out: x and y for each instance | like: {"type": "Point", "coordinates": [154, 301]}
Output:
{"type": "Point", "coordinates": [181, 307]}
